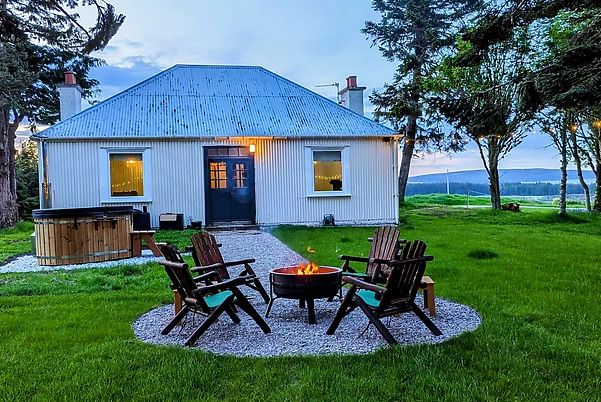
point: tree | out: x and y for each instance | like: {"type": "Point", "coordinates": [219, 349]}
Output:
{"type": "Point", "coordinates": [482, 102]}
{"type": "Point", "coordinates": [555, 124]}
{"type": "Point", "coordinates": [417, 34]}
{"type": "Point", "coordinates": [27, 179]}
{"type": "Point", "coordinates": [569, 80]}
{"type": "Point", "coordinates": [39, 40]}
{"type": "Point", "coordinates": [586, 137]}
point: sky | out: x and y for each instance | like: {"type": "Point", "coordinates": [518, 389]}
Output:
{"type": "Point", "coordinates": [311, 42]}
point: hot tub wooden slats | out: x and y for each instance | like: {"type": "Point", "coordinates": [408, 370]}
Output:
{"type": "Point", "coordinates": [62, 241]}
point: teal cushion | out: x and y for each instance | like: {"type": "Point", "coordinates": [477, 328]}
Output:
{"type": "Point", "coordinates": [215, 300]}
{"type": "Point", "coordinates": [355, 274]}
{"type": "Point", "coordinates": [369, 298]}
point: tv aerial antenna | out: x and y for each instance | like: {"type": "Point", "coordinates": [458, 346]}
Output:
{"type": "Point", "coordinates": [334, 84]}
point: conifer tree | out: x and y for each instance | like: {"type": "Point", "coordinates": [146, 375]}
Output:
{"type": "Point", "coordinates": [39, 40]}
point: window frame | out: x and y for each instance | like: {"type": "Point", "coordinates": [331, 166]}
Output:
{"type": "Point", "coordinates": [310, 172]}
{"type": "Point", "coordinates": [105, 174]}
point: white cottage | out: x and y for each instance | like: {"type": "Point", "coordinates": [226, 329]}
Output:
{"type": "Point", "coordinates": [222, 144]}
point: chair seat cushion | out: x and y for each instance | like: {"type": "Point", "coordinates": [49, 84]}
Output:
{"type": "Point", "coordinates": [355, 274]}
{"type": "Point", "coordinates": [215, 300]}
{"type": "Point", "coordinates": [369, 298]}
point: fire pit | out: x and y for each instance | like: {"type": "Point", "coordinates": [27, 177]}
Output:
{"type": "Point", "coordinates": [306, 283]}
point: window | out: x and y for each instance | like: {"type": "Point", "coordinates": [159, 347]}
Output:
{"type": "Point", "coordinates": [241, 177]}
{"type": "Point", "coordinates": [218, 174]}
{"type": "Point", "coordinates": [327, 171]}
{"type": "Point", "coordinates": [127, 175]}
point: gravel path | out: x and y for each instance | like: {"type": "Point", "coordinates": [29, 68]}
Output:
{"type": "Point", "coordinates": [291, 334]}
{"type": "Point", "coordinates": [28, 263]}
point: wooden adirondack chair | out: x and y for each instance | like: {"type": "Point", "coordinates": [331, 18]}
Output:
{"type": "Point", "coordinates": [210, 301]}
{"type": "Point", "coordinates": [384, 247]}
{"type": "Point", "coordinates": [206, 255]}
{"type": "Point", "coordinates": [398, 296]}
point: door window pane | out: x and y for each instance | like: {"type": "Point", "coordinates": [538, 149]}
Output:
{"type": "Point", "coordinates": [127, 175]}
{"type": "Point", "coordinates": [240, 177]}
{"type": "Point", "coordinates": [327, 170]}
{"type": "Point", "coordinates": [218, 175]}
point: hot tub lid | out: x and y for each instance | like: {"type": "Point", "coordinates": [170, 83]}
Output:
{"type": "Point", "coordinates": [87, 212]}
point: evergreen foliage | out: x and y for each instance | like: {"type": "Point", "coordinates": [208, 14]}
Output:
{"type": "Point", "coordinates": [27, 180]}
{"type": "Point", "coordinates": [39, 40]}
{"type": "Point", "coordinates": [416, 34]}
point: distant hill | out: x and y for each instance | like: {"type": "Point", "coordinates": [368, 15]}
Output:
{"type": "Point", "coordinates": [506, 176]}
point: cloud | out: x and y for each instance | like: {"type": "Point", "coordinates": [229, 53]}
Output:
{"type": "Point", "coordinates": [310, 42]}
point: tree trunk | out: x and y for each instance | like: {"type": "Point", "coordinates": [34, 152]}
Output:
{"type": "Point", "coordinates": [578, 161]}
{"type": "Point", "coordinates": [407, 156]}
{"type": "Point", "coordinates": [597, 204]}
{"type": "Point", "coordinates": [9, 214]}
{"type": "Point", "coordinates": [563, 185]}
{"type": "Point", "coordinates": [495, 185]}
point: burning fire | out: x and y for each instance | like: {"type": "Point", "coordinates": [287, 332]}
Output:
{"type": "Point", "coordinates": [307, 269]}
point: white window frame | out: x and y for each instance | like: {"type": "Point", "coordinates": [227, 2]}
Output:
{"type": "Point", "coordinates": [346, 171]}
{"type": "Point", "coordinates": [105, 174]}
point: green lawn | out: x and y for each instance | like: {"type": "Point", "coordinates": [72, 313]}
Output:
{"type": "Point", "coordinates": [68, 335]}
{"type": "Point", "coordinates": [457, 200]}
{"type": "Point", "coordinates": [15, 241]}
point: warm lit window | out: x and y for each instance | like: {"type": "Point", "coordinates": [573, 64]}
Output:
{"type": "Point", "coordinates": [327, 170]}
{"type": "Point", "coordinates": [218, 174]}
{"type": "Point", "coordinates": [127, 175]}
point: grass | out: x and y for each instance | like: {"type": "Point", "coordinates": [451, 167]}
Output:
{"type": "Point", "coordinates": [420, 201]}
{"type": "Point", "coordinates": [68, 336]}
{"type": "Point", "coordinates": [15, 241]}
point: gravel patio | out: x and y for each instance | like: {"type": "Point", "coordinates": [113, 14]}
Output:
{"type": "Point", "coordinates": [291, 334]}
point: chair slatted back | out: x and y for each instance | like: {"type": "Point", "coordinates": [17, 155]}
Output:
{"type": "Point", "coordinates": [171, 253]}
{"type": "Point", "coordinates": [384, 246]}
{"type": "Point", "coordinates": [206, 252]}
{"type": "Point", "coordinates": [182, 282]}
{"type": "Point", "coordinates": [404, 280]}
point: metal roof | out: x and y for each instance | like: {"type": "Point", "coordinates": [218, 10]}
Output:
{"type": "Point", "coordinates": [188, 101]}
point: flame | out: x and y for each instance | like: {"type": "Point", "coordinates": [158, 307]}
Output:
{"type": "Point", "coordinates": [310, 249]}
{"type": "Point", "coordinates": [307, 269]}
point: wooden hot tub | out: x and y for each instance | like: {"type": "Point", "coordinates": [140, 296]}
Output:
{"type": "Point", "coordinates": [80, 235]}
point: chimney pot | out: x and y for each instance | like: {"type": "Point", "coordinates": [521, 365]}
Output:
{"type": "Point", "coordinates": [351, 81]}
{"type": "Point", "coordinates": [70, 78]}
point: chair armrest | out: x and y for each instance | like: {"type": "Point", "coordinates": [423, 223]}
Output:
{"type": "Point", "coordinates": [239, 262]}
{"type": "Point", "coordinates": [225, 285]}
{"type": "Point", "coordinates": [400, 263]}
{"type": "Point", "coordinates": [207, 276]}
{"type": "Point", "coordinates": [353, 258]}
{"type": "Point", "coordinates": [362, 284]}
{"type": "Point", "coordinates": [379, 261]}
{"type": "Point", "coordinates": [205, 268]}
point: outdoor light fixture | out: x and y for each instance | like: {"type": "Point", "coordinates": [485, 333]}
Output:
{"type": "Point", "coordinates": [252, 148]}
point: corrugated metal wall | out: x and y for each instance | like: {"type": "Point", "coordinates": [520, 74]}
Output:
{"type": "Point", "coordinates": [280, 183]}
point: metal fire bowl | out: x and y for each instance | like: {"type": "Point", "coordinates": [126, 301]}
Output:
{"type": "Point", "coordinates": [286, 283]}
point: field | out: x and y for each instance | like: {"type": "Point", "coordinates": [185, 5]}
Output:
{"type": "Point", "coordinates": [532, 276]}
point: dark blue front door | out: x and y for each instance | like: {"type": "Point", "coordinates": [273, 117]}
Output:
{"type": "Point", "coordinates": [230, 185]}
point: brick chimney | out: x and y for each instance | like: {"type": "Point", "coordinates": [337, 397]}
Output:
{"type": "Point", "coordinates": [352, 95]}
{"type": "Point", "coordinates": [70, 96]}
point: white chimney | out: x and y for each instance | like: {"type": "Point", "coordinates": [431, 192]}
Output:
{"type": "Point", "coordinates": [70, 96]}
{"type": "Point", "coordinates": [352, 95]}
